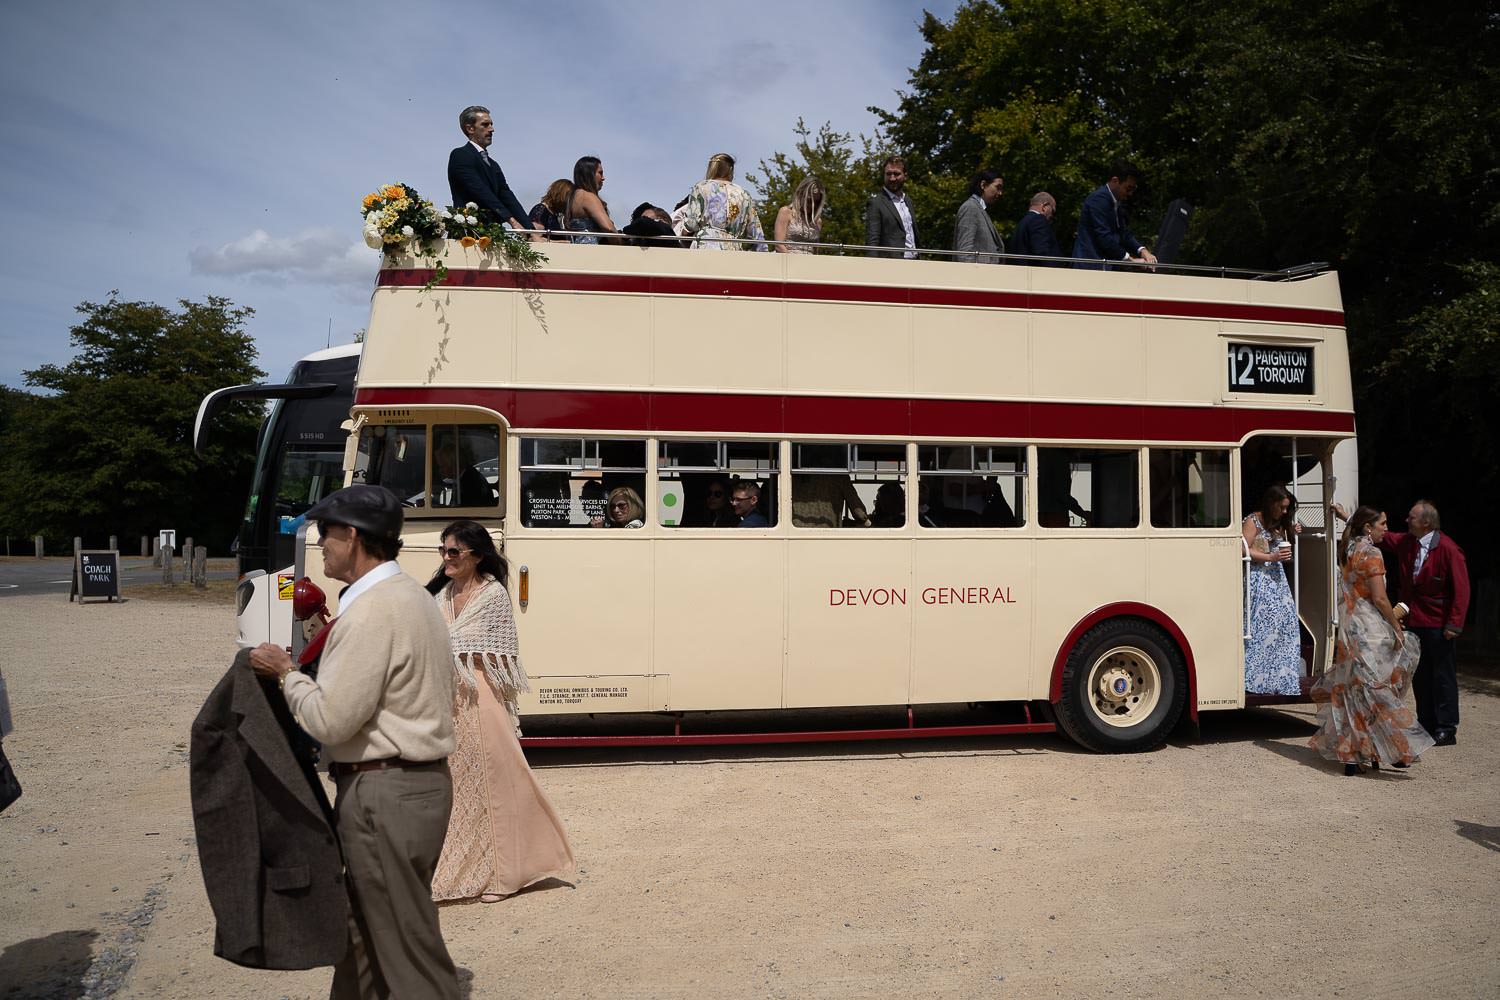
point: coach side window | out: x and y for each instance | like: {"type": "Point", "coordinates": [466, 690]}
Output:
{"type": "Point", "coordinates": [1088, 488]}
{"type": "Point", "coordinates": [972, 486]}
{"type": "Point", "coordinates": [695, 481]}
{"type": "Point", "coordinates": [568, 482]}
{"type": "Point", "coordinates": [1189, 488]}
{"type": "Point", "coordinates": [848, 485]}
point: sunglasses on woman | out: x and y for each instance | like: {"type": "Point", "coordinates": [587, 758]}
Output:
{"type": "Point", "coordinates": [453, 553]}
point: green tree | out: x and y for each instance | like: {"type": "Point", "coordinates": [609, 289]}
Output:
{"type": "Point", "coordinates": [847, 166]}
{"type": "Point", "coordinates": [108, 448]}
{"type": "Point", "coordinates": [1363, 133]}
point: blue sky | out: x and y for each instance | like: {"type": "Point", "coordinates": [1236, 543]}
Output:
{"type": "Point", "coordinates": [175, 150]}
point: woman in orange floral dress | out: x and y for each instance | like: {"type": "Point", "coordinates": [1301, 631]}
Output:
{"type": "Point", "coordinates": [1362, 700]}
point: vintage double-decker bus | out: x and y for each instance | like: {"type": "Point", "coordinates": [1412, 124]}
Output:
{"type": "Point", "coordinates": [990, 498]}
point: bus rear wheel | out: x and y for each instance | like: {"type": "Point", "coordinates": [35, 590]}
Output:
{"type": "Point", "coordinates": [1123, 687]}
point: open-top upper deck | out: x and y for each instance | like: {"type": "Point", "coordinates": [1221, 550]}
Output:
{"type": "Point", "coordinates": [662, 339]}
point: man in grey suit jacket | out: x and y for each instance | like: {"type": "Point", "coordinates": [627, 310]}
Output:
{"type": "Point", "coordinates": [889, 221]}
{"type": "Point", "coordinates": [974, 236]}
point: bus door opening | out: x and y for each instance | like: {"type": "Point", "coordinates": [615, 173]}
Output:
{"type": "Point", "coordinates": [1304, 466]}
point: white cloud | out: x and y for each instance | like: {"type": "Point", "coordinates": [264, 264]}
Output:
{"type": "Point", "coordinates": [318, 256]}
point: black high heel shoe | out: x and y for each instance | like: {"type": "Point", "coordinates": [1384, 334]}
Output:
{"type": "Point", "coordinates": [1350, 770]}
{"type": "Point", "coordinates": [1374, 765]}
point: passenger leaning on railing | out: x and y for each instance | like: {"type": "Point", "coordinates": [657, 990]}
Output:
{"type": "Point", "coordinates": [889, 221]}
{"type": "Point", "coordinates": [800, 224]}
{"type": "Point", "coordinates": [548, 213]}
{"type": "Point", "coordinates": [1102, 234]}
{"type": "Point", "coordinates": [587, 213]}
{"type": "Point", "coordinates": [720, 212]}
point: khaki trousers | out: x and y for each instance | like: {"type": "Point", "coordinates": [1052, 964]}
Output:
{"type": "Point", "coordinates": [391, 825]}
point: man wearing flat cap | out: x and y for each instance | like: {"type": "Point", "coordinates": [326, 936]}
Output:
{"type": "Point", "coordinates": [382, 706]}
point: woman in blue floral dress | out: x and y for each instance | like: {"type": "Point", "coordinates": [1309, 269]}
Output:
{"type": "Point", "coordinates": [1273, 653]}
{"type": "Point", "coordinates": [719, 212]}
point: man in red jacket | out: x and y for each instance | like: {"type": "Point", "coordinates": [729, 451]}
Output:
{"type": "Point", "coordinates": [1435, 594]}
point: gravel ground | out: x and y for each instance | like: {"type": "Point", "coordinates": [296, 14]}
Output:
{"type": "Point", "coordinates": [1237, 865]}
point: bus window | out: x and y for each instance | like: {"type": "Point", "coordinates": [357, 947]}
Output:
{"type": "Point", "coordinates": [303, 479]}
{"type": "Point", "coordinates": [846, 485]}
{"type": "Point", "coordinates": [465, 465]}
{"type": "Point", "coordinates": [1189, 488]}
{"type": "Point", "coordinates": [394, 456]}
{"type": "Point", "coordinates": [972, 486]}
{"type": "Point", "coordinates": [566, 482]}
{"type": "Point", "coordinates": [1088, 488]}
{"type": "Point", "coordinates": [695, 480]}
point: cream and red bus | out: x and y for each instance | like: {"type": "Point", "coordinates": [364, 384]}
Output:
{"type": "Point", "coordinates": [997, 498]}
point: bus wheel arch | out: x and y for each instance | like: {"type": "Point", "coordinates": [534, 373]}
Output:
{"type": "Point", "coordinates": [1121, 678]}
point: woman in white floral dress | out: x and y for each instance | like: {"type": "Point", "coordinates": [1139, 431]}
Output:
{"type": "Point", "coordinates": [719, 212]}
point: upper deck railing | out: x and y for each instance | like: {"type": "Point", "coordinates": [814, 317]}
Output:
{"type": "Point", "coordinates": [1295, 273]}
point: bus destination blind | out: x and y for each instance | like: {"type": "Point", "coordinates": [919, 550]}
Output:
{"type": "Point", "coordinates": [1271, 368]}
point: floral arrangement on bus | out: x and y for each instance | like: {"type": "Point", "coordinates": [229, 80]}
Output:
{"type": "Point", "coordinates": [399, 219]}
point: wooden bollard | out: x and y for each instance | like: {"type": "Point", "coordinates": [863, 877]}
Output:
{"type": "Point", "coordinates": [187, 558]}
{"type": "Point", "coordinates": [166, 567]}
{"type": "Point", "coordinates": [145, 546]}
{"type": "Point", "coordinates": [200, 567]}
{"type": "Point", "coordinates": [41, 546]}
{"type": "Point", "coordinates": [114, 543]}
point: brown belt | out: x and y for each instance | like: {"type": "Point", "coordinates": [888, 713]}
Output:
{"type": "Point", "coordinates": [339, 769]}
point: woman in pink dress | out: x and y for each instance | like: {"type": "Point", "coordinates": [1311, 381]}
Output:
{"type": "Point", "coordinates": [503, 833]}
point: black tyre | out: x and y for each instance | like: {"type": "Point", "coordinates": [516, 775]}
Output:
{"type": "Point", "coordinates": [1123, 687]}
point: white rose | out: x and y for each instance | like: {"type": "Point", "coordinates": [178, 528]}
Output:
{"type": "Point", "coordinates": [444, 214]}
{"type": "Point", "coordinates": [471, 220]}
{"type": "Point", "coordinates": [373, 239]}
{"type": "Point", "coordinates": [408, 232]}
{"type": "Point", "coordinates": [470, 206]}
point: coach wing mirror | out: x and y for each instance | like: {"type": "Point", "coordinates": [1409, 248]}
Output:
{"type": "Point", "coordinates": [308, 600]}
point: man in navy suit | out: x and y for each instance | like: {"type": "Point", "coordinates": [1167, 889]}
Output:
{"type": "Point", "coordinates": [1101, 230]}
{"type": "Point", "coordinates": [473, 176]}
{"type": "Point", "coordinates": [1034, 236]}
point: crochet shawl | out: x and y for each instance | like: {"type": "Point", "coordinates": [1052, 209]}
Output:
{"type": "Point", "coordinates": [485, 632]}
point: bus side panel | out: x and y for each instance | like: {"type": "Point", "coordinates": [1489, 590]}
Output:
{"type": "Point", "coordinates": [683, 356]}
{"type": "Point", "coordinates": [1074, 576]}
{"type": "Point", "coordinates": [841, 347]}
{"type": "Point", "coordinates": [589, 613]}
{"type": "Point", "coordinates": [720, 621]}
{"type": "Point", "coordinates": [973, 351]}
{"type": "Point", "coordinates": [564, 341]}
{"type": "Point", "coordinates": [972, 603]}
{"type": "Point", "coordinates": [849, 616]}
{"type": "Point", "coordinates": [1114, 347]}
{"type": "Point", "coordinates": [1198, 583]}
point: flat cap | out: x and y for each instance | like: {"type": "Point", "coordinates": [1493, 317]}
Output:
{"type": "Point", "coordinates": [374, 510]}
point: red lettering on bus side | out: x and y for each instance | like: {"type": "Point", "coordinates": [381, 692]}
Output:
{"type": "Point", "coordinates": [835, 598]}
{"type": "Point", "coordinates": [984, 595]}
{"type": "Point", "coordinates": [929, 595]}
{"type": "Point", "coordinates": [899, 597]}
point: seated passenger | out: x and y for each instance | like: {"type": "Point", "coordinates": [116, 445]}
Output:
{"type": "Point", "coordinates": [548, 213]}
{"type": "Point", "coordinates": [651, 226]}
{"type": "Point", "coordinates": [890, 506]}
{"type": "Point", "coordinates": [746, 502]}
{"type": "Point", "coordinates": [819, 500]}
{"type": "Point", "coordinates": [624, 510]}
{"type": "Point", "coordinates": [713, 511]}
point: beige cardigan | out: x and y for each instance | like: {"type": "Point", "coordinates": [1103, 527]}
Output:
{"type": "Point", "coordinates": [385, 679]}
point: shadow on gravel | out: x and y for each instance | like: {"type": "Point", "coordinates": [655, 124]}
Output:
{"type": "Point", "coordinates": [782, 753]}
{"type": "Point", "coordinates": [47, 967]}
{"type": "Point", "coordinates": [1249, 725]}
{"type": "Point", "coordinates": [1484, 836]}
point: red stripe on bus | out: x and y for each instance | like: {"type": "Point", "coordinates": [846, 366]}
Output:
{"type": "Point", "coordinates": [636, 284]}
{"type": "Point", "coordinates": [861, 416]}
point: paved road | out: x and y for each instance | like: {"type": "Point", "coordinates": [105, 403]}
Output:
{"type": "Point", "coordinates": [52, 575]}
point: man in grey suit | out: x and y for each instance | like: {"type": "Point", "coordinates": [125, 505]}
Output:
{"type": "Point", "coordinates": [974, 236]}
{"type": "Point", "coordinates": [888, 216]}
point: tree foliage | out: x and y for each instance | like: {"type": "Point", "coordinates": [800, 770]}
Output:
{"type": "Point", "coordinates": [848, 167]}
{"type": "Point", "coordinates": [107, 449]}
{"type": "Point", "coordinates": [1363, 133]}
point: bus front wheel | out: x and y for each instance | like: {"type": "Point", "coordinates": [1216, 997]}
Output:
{"type": "Point", "coordinates": [1123, 687]}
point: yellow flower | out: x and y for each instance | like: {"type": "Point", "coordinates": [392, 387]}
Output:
{"type": "Point", "coordinates": [371, 199]}
{"type": "Point", "coordinates": [468, 241]}
{"type": "Point", "coordinates": [734, 212]}
{"type": "Point", "coordinates": [484, 243]}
